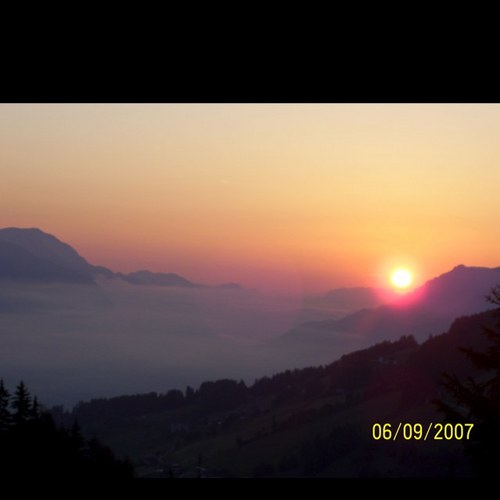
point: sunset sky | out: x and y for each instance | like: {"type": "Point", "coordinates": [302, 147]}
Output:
{"type": "Point", "coordinates": [280, 197]}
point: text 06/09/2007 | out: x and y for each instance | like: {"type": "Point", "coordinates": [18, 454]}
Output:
{"type": "Point", "coordinates": [433, 431]}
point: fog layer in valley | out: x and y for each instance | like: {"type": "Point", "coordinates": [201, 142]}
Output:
{"type": "Point", "coordinates": [74, 342]}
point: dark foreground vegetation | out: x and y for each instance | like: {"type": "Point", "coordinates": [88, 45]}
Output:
{"type": "Point", "coordinates": [33, 447]}
{"type": "Point", "coordinates": [312, 421]}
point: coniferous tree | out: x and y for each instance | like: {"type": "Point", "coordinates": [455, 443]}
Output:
{"type": "Point", "coordinates": [76, 436]}
{"type": "Point", "coordinates": [34, 412]}
{"type": "Point", "coordinates": [477, 400]}
{"type": "Point", "coordinates": [34, 447]}
{"type": "Point", "coordinates": [21, 404]}
{"type": "Point", "coordinates": [5, 417]}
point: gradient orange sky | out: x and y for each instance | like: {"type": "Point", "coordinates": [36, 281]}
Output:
{"type": "Point", "coordinates": [277, 197]}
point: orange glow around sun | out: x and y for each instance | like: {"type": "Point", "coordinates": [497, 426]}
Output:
{"type": "Point", "coordinates": [401, 279]}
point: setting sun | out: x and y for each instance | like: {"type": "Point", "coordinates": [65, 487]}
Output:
{"type": "Point", "coordinates": [401, 279]}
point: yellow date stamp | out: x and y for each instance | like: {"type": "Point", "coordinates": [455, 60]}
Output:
{"type": "Point", "coordinates": [435, 431]}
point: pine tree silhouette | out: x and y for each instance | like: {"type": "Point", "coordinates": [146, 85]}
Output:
{"type": "Point", "coordinates": [34, 412]}
{"type": "Point", "coordinates": [32, 446]}
{"type": "Point", "coordinates": [478, 400]}
{"type": "Point", "coordinates": [5, 417]}
{"type": "Point", "coordinates": [21, 404]}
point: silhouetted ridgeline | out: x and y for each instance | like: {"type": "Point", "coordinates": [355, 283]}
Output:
{"type": "Point", "coordinates": [308, 422]}
{"type": "Point", "coordinates": [32, 446]}
{"type": "Point", "coordinates": [19, 265]}
{"type": "Point", "coordinates": [350, 372]}
{"type": "Point", "coordinates": [29, 255]}
{"type": "Point", "coordinates": [424, 311]}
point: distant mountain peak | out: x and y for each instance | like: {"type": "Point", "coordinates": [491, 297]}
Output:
{"type": "Point", "coordinates": [461, 275]}
{"type": "Point", "coordinates": [427, 309]}
{"type": "Point", "coordinates": [145, 277]}
{"type": "Point", "coordinates": [34, 231]}
{"type": "Point", "coordinates": [38, 249]}
{"type": "Point", "coordinates": [463, 267]}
